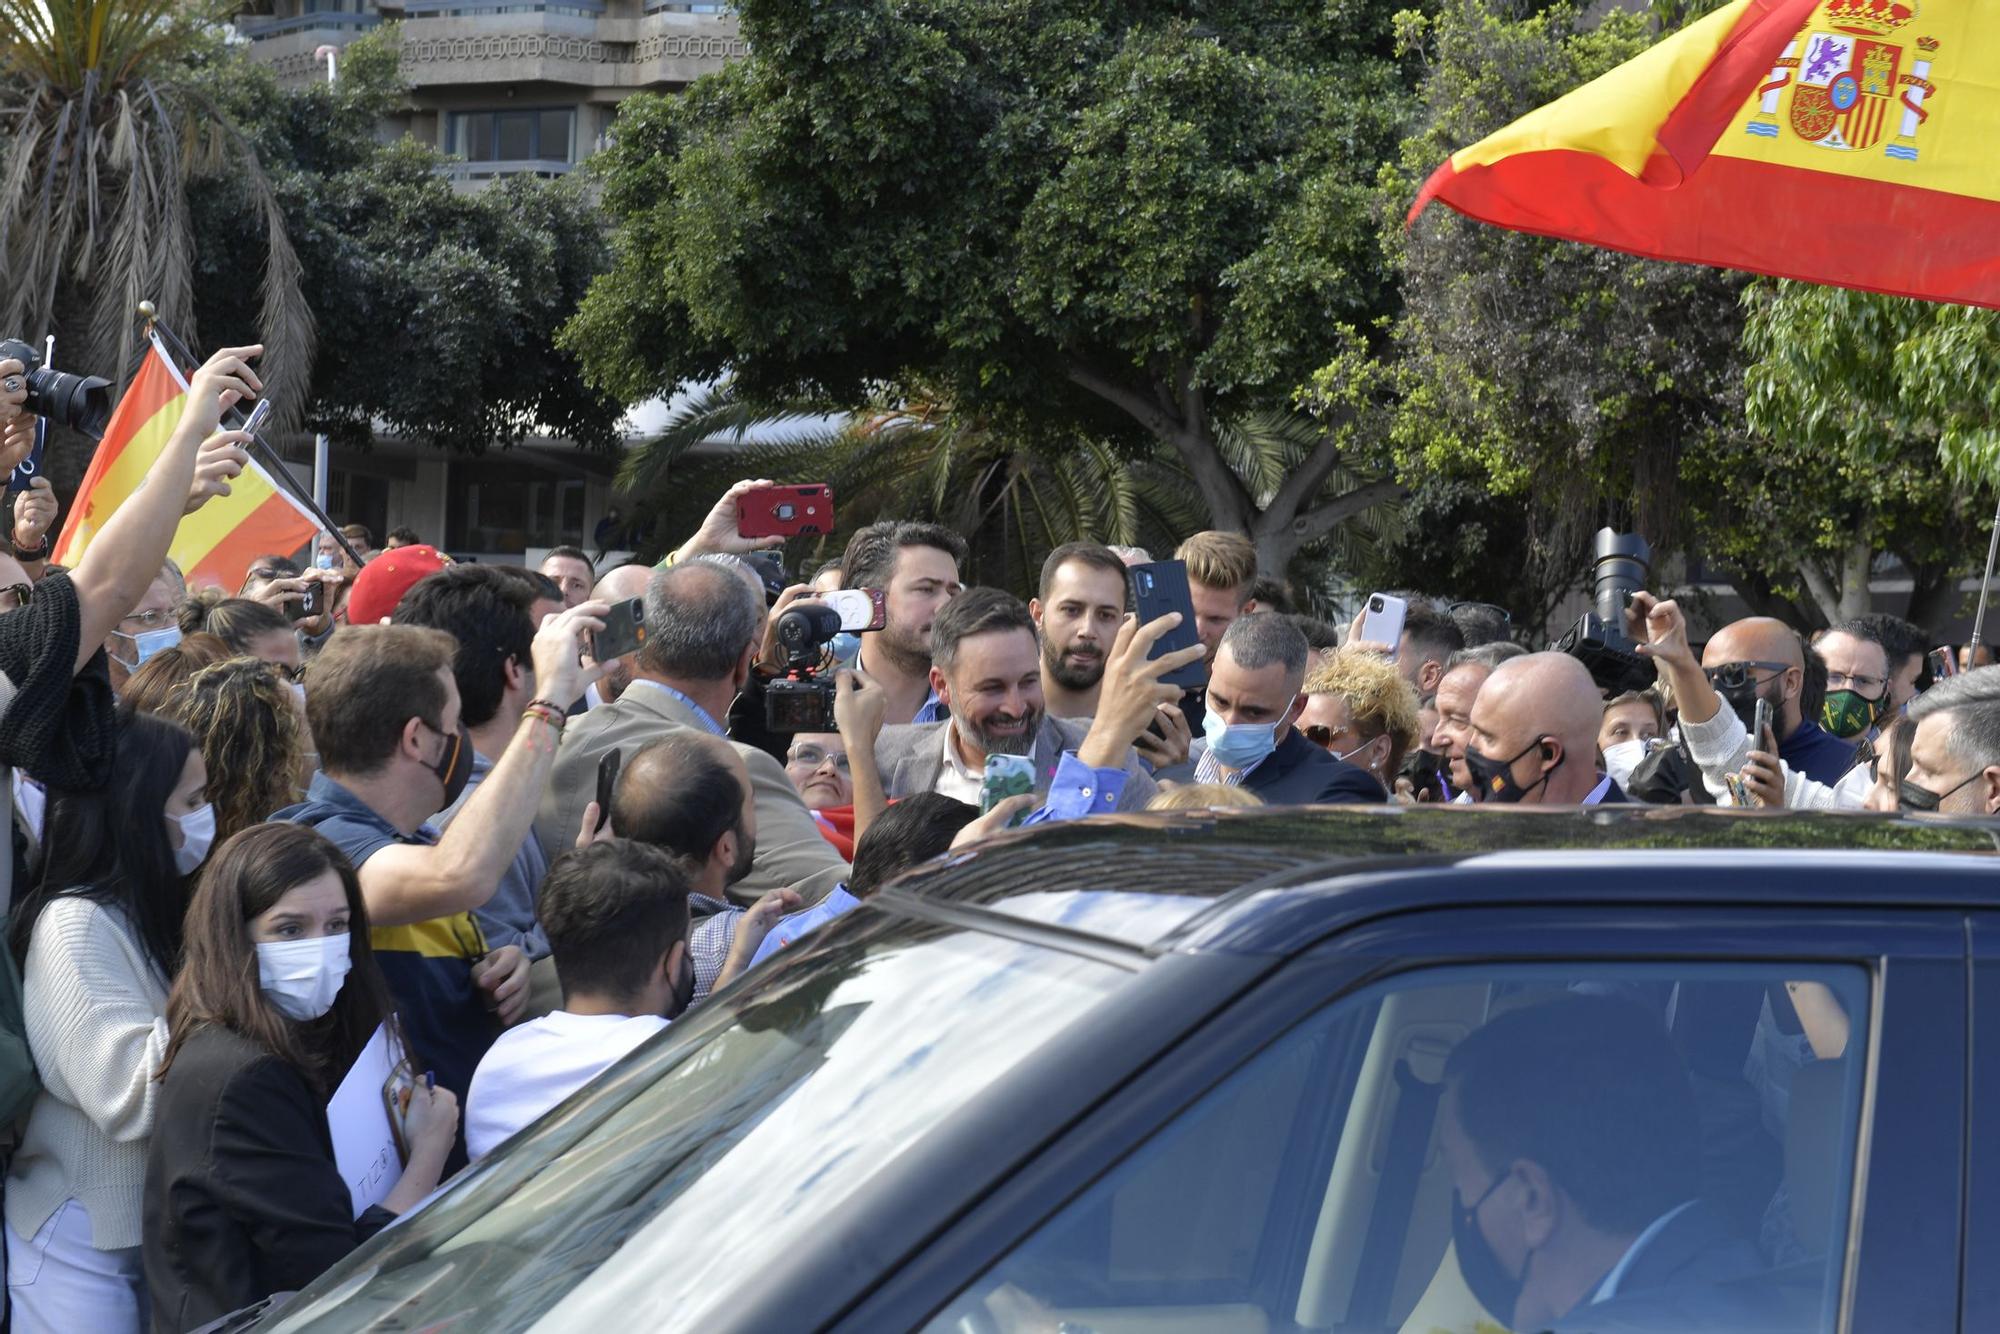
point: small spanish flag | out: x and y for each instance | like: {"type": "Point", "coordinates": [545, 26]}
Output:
{"type": "Point", "coordinates": [1846, 142]}
{"type": "Point", "coordinates": [213, 546]}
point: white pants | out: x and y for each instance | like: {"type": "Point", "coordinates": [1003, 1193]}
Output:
{"type": "Point", "coordinates": [59, 1283]}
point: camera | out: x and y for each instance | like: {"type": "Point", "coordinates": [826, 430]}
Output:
{"type": "Point", "coordinates": [80, 402]}
{"type": "Point", "coordinates": [802, 700]}
{"type": "Point", "coordinates": [1598, 640]}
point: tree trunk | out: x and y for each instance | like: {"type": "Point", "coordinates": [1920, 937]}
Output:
{"type": "Point", "coordinates": [1763, 599]}
{"type": "Point", "coordinates": [1933, 592]}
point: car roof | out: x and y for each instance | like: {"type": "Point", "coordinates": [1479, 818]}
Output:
{"type": "Point", "coordinates": [1267, 880]}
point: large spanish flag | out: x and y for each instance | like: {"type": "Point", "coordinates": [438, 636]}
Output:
{"type": "Point", "coordinates": [215, 544]}
{"type": "Point", "coordinates": [1848, 142]}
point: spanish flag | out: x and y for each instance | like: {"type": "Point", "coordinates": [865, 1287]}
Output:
{"type": "Point", "coordinates": [1846, 142]}
{"type": "Point", "coordinates": [213, 546]}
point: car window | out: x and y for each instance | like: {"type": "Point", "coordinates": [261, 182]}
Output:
{"type": "Point", "coordinates": [1463, 1151]}
{"type": "Point", "coordinates": [726, 1138]}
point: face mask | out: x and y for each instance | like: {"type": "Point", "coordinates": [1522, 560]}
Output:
{"type": "Point", "coordinates": [1240, 745]}
{"type": "Point", "coordinates": [1497, 1290]}
{"type": "Point", "coordinates": [302, 977]}
{"type": "Point", "coordinates": [454, 765]}
{"type": "Point", "coordinates": [298, 689]}
{"type": "Point", "coordinates": [1494, 779]}
{"type": "Point", "coordinates": [1620, 760]}
{"type": "Point", "coordinates": [197, 835]}
{"type": "Point", "coordinates": [846, 646]}
{"type": "Point", "coordinates": [324, 560]}
{"type": "Point", "coordinates": [147, 644]}
{"type": "Point", "coordinates": [1912, 797]}
{"type": "Point", "coordinates": [1848, 713]}
{"type": "Point", "coordinates": [1742, 701]}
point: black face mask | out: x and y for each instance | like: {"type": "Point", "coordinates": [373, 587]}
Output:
{"type": "Point", "coordinates": [454, 764]}
{"type": "Point", "coordinates": [1493, 780]}
{"type": "Point", "coordinates": [1921, 800]}
{"type": "Point", "coordinates": [1497, 1290]}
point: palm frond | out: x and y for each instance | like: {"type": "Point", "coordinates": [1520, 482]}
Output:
{"type": "Point", "coordinates": [715, 413]}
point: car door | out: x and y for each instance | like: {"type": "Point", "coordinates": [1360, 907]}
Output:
{"type": "Point", "coordinates": [1982, 1215]}
{"type": "Point", "coordinates": [1301, 1181]}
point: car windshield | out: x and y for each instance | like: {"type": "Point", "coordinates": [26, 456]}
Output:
{"type": "Point", "coordinates": [739, 1132]}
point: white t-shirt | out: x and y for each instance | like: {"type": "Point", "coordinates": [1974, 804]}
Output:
{"type": "Point", "coordinates": [534, 1066]}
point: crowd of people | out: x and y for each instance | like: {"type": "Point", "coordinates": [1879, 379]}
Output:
{"type": "Point", "coordinates": [385, 787]}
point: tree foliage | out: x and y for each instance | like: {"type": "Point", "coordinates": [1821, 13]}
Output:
{"type": "Point", "coordinates": [438, 308]}
{"type": "Point", "coordinates": [1106, 219]}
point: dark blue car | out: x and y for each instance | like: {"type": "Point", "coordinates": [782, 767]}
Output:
{"type": "Point", "coordinates": [1189, 1073]}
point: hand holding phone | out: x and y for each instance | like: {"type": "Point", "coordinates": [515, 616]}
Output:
{"type": "Point", "coordinates": [1382, 622]}
{"type": "Point", "coordinates": [785, 511]}
{"type": "Point", "coordinates": [624, 631]}
{"type": "Point", "coordinates": [1760, 731]}
{"type": "Point", "coordinates": [1006, 776]}
{"type": "Point", "coordinates": [1157, 589]}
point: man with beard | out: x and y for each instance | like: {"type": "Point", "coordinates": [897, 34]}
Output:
{"type": "Point", "coordinates": [1860, 685]}
{"type": "Point", "coordinates": [916, 567]}
{"type": "Point", "coordinates": [1532, 735]}
{"type": "Point", "coordinates": [987, 674]}
{"type": "Point", "coordinates": [617, 913]}
{"type": "Point", "coordinates": [1077, 614]}
{"type": "Point", "coordinates": [691, 796]}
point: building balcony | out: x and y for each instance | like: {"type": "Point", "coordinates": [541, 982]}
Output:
{"type": "Point", "coordinates": [467, 176]}
{"type": "Point", "coordinates": [260, 29]}
{"type": "Point", "coordinates": [449, 44]}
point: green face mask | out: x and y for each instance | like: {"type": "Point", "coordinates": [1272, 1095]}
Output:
{"type": "Point", "coordinates": [1848, 714]}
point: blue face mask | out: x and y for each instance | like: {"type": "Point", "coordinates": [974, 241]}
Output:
{"type": "Point", "coordinates": [324, 560]}
{"type": "Point", "coordinates": [1239, 745]}
{"type": "Point", "coordinates": [145, 645]}
{"type": "Point", "coordinates": [846, 646]}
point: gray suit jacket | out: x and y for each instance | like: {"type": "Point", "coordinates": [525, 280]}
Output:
{"type": "Point", "coordinates": [911, 757]}
{"type": "Point", "coordinates": [791, 852]}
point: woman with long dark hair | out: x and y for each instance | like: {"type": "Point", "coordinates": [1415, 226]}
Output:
{"type": "Point", "coordinates": [98, 939]}
{"type": "Point", "coordinates": [279, 993]}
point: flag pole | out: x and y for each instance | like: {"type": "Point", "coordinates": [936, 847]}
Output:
{"type": "Point", "coordinates": [261, 451]}
{"type": "Point", "coordinates": [1985, 586]}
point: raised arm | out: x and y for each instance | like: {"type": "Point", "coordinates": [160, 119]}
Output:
{"type": "Point", "coordinates": [125, 555]}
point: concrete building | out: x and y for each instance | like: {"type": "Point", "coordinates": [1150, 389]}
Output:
{"type": "Point", "coordinates": [505, 87]}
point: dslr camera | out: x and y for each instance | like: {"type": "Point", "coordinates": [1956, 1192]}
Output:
{"type": "Point", "coordinates": [802, 699]}
{"type": "Point", "coordinates": [1598, 640]}
{"type": "Point", "coordinates": [80, 402]}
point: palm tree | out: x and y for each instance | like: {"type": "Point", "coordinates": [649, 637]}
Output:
{"type": "Point", "coordinates": [106, 136]}
{"type": "Point", "coordinates": [924, 460]}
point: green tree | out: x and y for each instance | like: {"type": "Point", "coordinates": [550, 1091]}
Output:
{"type": "Point", "coordinates": [437, 309]}
{"type": "Point", "coordinates": [1106, 219]}
{"type": "Point", "coordinates": [109, 143]}
{"type": "Point", "coordinates": [1568, 379]}
{"type": "Point", "coordinates": [1851, 395]}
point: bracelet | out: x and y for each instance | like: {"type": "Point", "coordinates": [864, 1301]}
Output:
{"type": "Point", "coordinates": [39, 551]}
{"type": "Point", "coordinates": [547, 712]}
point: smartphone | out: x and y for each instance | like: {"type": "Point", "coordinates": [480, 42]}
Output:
{"type": "Point", "coordinates": [1761, 724]}
{"type": "Point", "coordinates": [1157, 589]}
{"type": "Point", "coordinates": [785, 511]}
{"type": "Point", "coordinates": [1382, 622]}
{"type": "Point", "coordinates": [607, 783]}
{"type": "Point", "coordinates": [861, 609]}
{"type": "Point", "coordinates": [1943, 661]}
{"type": "Point", "coordinates": [624, 631]}
{"type": "Point", "coordinates": [260, 416]}
{"type": "Point", "coordinates": [1006, 776]}
{"type": "Point", "coordinates": [29, 468]}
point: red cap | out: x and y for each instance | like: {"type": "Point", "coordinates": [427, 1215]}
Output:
{"type": "Point", "coordinates": [383, 581]}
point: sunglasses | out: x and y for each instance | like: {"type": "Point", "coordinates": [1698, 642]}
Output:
{"type": "Point", "coordinates": [1736, 675]}
{"type": "Point", "coordinates": [13, 597]}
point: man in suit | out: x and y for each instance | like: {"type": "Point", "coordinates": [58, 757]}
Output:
{"type": "Point", "coordinates": [704, 625]}
{"type": "Point", "coordinates": [1249, 736]}
{"type": "Point", "coordinates": [1532, 736]}
{"type": "Point", "coordinates": [986, 666]}
{"type": "Point", "coordinates": [1573, 1140]}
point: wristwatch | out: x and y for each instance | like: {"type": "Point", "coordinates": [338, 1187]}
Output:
{"type": "Point", "coordinates": [40, 551]}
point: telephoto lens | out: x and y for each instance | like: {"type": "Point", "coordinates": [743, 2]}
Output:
{"type": "Point", "coordinates": [80, 402]}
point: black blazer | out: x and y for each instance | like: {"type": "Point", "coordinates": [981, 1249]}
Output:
{"type": "Point", "coordinates": [242, 1197]}
{"type": "Point", "coordinates": [1298, 773]}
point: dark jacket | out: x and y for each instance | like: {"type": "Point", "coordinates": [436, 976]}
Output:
{"type": "Point", "coordinates": [1695, 1276]}
{"type": "Point", "coordinates": [242, 1195]}
{"type": "Point", "coordinates": [1298, 773]}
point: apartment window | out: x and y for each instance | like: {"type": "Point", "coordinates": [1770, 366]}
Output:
{"type": "Point", "coordinates": [544, 135]}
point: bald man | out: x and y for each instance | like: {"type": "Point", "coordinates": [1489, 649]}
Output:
{"type": "Point", "coordinates": [621, 585]}
{"type": "Point", "coordinates": [1532, 738]}
{"type": "Point", "coordinates": [1761, 658]}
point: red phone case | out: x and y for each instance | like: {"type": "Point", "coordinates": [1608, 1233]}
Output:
{"type": "Point", "coordinates": [785, 511]}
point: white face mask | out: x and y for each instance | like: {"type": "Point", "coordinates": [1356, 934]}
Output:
{"type": "Point", "coordinates": [197, 835]}
{"type": "Point", "coordinates": [302, 977]}
{"type": "Point", "coordinates": [1620, 760]}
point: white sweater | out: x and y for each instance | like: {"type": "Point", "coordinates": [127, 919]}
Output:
{"type": "Point", "coordinates": [95, 1010]}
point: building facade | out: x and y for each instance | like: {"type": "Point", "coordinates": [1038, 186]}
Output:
{"type": "Point", "coordinates": [504, 87]}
